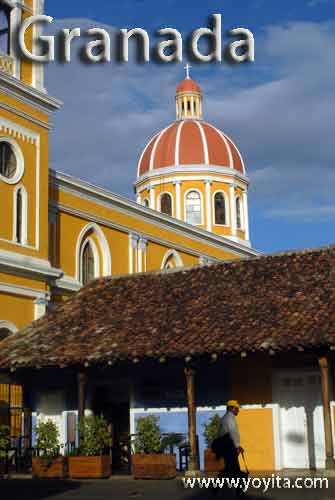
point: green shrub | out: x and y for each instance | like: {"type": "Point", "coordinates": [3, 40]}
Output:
{"type": "Point", "coordinates": [211, 429]}
{"type": "Point", "coordinates": [47, 439]}
{"type": "Point", "coordinates": [94, 436]}
{"type": "Point", "coordinates": [148, 435]}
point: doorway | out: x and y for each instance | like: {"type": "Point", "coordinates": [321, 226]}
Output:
{"type": "Point", "coordinates": [116, 411]}
{"type": "Point", "coordinates": [299, 396]}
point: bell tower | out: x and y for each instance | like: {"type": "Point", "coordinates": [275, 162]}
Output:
{"type": "Point", "coordinates": [188, 98]}
{"type": "Point", "coordinates": [25, 108]}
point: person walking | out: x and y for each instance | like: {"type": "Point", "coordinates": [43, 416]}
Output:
{"type": "Point", "coordinates": [227, 445]}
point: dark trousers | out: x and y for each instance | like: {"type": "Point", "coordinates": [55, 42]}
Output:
{"type": "Point", "coordinates": [224, 447]}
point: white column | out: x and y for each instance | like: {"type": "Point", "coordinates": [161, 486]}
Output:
{"type": "Point", "coordinates": [192, 106]}
{"type": "Point", "coordinates": [208, 206]}
{"type": "Point", "coordinates": [138, 198]}
{"type": "Point", "coordinates": [232, 209]}
{"type": "Point", "coordinates": [152, 198]}
{"type": "Point", "coordinates": [133, 238]}
{"type": "Point", "coordinates": [185, 106]}
{"type": "Point", "coordinates": [178, 199]}
{"type": "Point", "coordinates": [40, 309]}
{"type": "Point", "coordinates": [141, 255]}
{"type": "Point", "coordinates": [246, 215]}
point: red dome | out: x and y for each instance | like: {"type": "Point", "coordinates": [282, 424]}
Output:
{"type": "Point", "coordinates": [188, 85]}
{"type": "Point", "coordinates": [190, 142]}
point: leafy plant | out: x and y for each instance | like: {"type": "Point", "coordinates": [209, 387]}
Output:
{"type": "Point", "coordinates": [211, 429]}
{"type": "Point", "coordinates": [4, 440]}
{"type": "Point", "coordinates": [47, 439]}
{"type": "Point", "coordinates": [148, 436]}
{"type": "Point", "coordinates": [94, 436]}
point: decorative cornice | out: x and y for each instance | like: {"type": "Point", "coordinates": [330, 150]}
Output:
{"type": "Point", "coordinates": [17, 131]}
{"type": "Point", "coordinates": [68, 283]}
{"type": "Point", "coordinates": [105, 198]}
{"type": "Point", "coordinates": [23, 291]}
{"type": "Point", "coordinates": [26, 116]}
{"type": "Point", "coordinates": [16, 263]}
{"type": "Point", "coordinates": [28, 93]}
{"type": "Point", "coordinates": [192, 169]}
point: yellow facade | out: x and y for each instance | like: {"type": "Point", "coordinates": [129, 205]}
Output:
{"type": "Point", "coordinates": [52, 240]}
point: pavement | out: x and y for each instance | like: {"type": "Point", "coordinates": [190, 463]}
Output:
{"type": "Point", "coordinates": [126, 488]}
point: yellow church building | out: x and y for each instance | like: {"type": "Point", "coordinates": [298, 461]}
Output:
{"type": "Point", "coordinates": [58, 232]}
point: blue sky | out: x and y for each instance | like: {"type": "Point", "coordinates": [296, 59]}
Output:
{"type": "Point", "coordinates": [280, 110]}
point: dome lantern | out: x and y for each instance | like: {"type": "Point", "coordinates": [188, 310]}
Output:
{"type": "Point", "coordinates": [188, 99]}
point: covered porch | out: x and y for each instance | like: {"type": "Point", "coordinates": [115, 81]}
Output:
{"type": "Point", "coordinates": [180, 344]}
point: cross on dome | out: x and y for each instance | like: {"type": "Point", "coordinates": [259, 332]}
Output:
{"type": "Point", "coordinates": [187, 69]}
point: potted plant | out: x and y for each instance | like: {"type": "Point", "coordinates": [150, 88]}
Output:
{"type": "Point", "coordinates": [49, 464]}
{"type": "Point", "coordinates": [149, 460]}
{"type": "Point", "coordinates": [210, 432]}
{"type": "Point", "coordinates": [4, 445]}
{"type": "Point", "coordinates": [90, 459]}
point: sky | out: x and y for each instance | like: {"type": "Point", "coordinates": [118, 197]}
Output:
{"type": "Point", "coordinates": [279, 110]}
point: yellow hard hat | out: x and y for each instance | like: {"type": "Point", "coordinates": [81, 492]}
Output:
{"type": "Point", "coordinates": [233, 403]}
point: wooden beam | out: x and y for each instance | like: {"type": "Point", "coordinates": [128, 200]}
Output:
{"type": "Point", "coordinates": [193, 465]}
{"type": "Point", "coordinates": [325, 383]}
{"type": "Point", "coordinates": [82, 387]}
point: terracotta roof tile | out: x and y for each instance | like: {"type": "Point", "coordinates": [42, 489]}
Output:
{"type": "Point", "coordinates": [283, 301]}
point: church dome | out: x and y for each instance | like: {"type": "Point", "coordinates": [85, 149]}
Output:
{"type": "Point", "coordinates": [188, 85]}
{"type": "Point", "coordinates": [190, 142]}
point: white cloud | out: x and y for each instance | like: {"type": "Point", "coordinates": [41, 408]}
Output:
{"type": "Point", "coordinates": [283, 125]}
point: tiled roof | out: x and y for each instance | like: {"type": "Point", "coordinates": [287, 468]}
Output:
{"type": "Point", "coordinates": [282, 302]}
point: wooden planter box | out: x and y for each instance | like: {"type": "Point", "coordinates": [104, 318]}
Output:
{"type": "Point", "coordinates": [212, 465]}
{"type": "Point", "coordinates": [90, 467]}
{"type": "Point", "coordinates": [49, 468]}
{"type": "Point", "coordinates": [155, 466]}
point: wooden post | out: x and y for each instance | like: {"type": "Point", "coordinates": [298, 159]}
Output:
{"type": "Point", "coordinates": [193, 465]}
{"type": "Point", "coordinates": [325, 383]}
{"type": "Point", "coordinates": [27, 415]}
{"type": "Point", "coordinates": [82, 386]}
{"type": "Point", "coordinates": [27, 428]}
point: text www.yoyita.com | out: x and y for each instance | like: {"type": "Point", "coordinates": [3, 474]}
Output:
{"type": "Point", "coordinates": [261, 483]}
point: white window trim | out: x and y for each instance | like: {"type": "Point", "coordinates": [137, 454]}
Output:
{"type": "Point", "coordinates": [227, 208]}
{"type": "Point", "coordinates": [96, 257]}
{"type": "Point", "coordinates": [172, 253]}
{"type": "Point", "coordinates": [24, 240]}
{"type": "Point", "coordinates": [19, 161]}
{"type": "Point", "coordinates": [172, 202]}
{"type": "Point", "coordinates": [201, 206]}
{"type": "Point", "coordinates": [104, 247]}
{"type": "Point", "coordinates": [239, 197]}
{"type": "Point", "coordinates": [8, 325]}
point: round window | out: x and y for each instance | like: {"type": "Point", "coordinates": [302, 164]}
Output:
{"type": "Point", "coordinates": [8, 162]}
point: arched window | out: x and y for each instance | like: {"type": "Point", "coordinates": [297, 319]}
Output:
{"type": "Point", "coordinates": [4, 29]}
{"type": "Point", "coordinates": [220, 209]}
{"type": "Point", "coordinates": [146, 202]}
{"type": "Point", "coordinates": [171, 260]}
{"type": "Point", "coordinates": [20, 215]}
{"type": "Point", "coordinates": [8, 162]}
{"type": "Point", "coordinates": [88, 264]}
{"type": "Point", "coordinates": [4, 333]}
{"type": "Point", "coordinates": [19, 207]}
{"type": "Point", "coordinates": [166, 204]}
{"type": "Point", "coordinates": [238, 213]}
{"type": "Point", "coordinates": [193, 208]}
{"type": "Point", "coordinates": [6, 329]}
